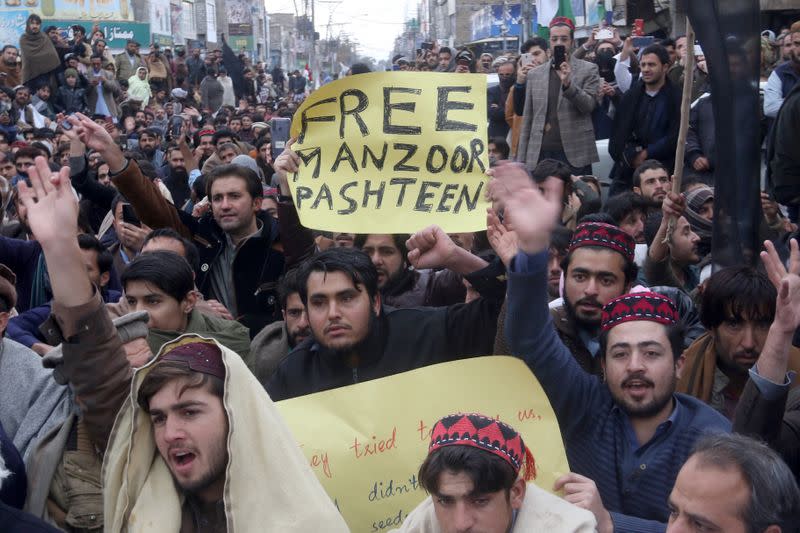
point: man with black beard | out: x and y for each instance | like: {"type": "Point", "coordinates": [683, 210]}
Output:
{"type": "Point", "coordinates": [627, 435]}
{"type": "Point", "coordinates": [176, 177]}
{"type": "Point", "coordinates": [273, 343]}
{"type": "Point", "coordinates": [598, 267]}
{"type": "Point", "coordinates": [401, 285]}
{"type": "Point", "coordinates": [355, 339]}
{"type": "Point", "coordinates": [150, 148]}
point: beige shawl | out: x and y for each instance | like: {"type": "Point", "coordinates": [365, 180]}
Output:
{"type": "Point", "coordinates": [540, 511]}
{"type": "Point", "coordinates": [269, 487]}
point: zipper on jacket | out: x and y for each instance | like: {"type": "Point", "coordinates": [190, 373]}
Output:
{"type": "Point", "coordinates": [355, 374]}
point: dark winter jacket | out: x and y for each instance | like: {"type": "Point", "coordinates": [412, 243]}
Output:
{"type": "Point", "coordinates": [399, 340]}
{"type": "Point", "coordinates": [259, 261]}
{"type": "Point", "coordinates": [70, 99]}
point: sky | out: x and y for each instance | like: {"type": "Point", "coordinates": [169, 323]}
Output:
{"type": "Point", "coordinates": [372, 23]}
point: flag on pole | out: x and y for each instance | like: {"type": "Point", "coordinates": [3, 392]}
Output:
{"type": "Point", "coordinates": [547, 10]}
{"type": "Point", "coordinates": [597, 11]}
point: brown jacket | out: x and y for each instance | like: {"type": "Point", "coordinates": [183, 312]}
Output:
{"type": "Point", "coordinates": [513, 120]}
{"type": "Point", "coordinates": [776, 421]}
{"type": "Point", "coordinates": [13, 75]}
{"type": "Point", "coordinates": [700, 368]}
{"type": "Point", "coordinates": [67, 464]}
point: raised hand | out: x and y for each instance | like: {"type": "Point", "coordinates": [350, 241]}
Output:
{"type": "Point", "coordinates": [97, 138]}
{"type": "Point", "coordinates": [502, 240]}
{"type": "Point", "coordinates": [430, 248]}
{"type": "Point", "coordinates": [51, 204]}
{"type": "Point", "coordinates": [787, 283]}
{"type": "Point", "coordinates": [526, 210]}
{"type": "Point", "coordinates": [581, 491]}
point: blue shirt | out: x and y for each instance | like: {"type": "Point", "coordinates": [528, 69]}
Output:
{"type": "Point", "coordinates": [634, 479]}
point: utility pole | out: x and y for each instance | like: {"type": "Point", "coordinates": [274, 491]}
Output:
{"type": "Point", "coordinates": [312, 54]}
{"type": "Point", "coordinates": [504, 26]}
{"type": "Point", "coordinates": [526, 21]}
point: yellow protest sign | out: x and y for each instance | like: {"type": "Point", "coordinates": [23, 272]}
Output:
{"type": "Point", "coordinates": [366, 441]}
{"type": "Point", "coordinates": [393, 153]}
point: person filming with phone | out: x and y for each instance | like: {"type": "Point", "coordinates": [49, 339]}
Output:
{"type": "Point", "coordinates": [560, 96]}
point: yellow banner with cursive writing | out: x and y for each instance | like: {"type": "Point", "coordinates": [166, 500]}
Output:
{"type": "Point", "coordinates": [366, 441]}
{"type": "Point", "coordinates": [393, 152]}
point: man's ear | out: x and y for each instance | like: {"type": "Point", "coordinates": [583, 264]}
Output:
{"type": "Point", "coordinates": [637, 190]}
{"type": "Point", "coordinates": [679, 365]}
{"type": "Point", "coordinates": [188, 303]}
{"type": "Point", "coordinates": [517, 493]}
{"type": "Point", "coordinates": [376, 304]}
{"type": "Point", "coordinates": [4, 316]}
{"type": "Point", "coordinates": [104, 277]}
{"type": "Point", "coordinates": [257, 201]}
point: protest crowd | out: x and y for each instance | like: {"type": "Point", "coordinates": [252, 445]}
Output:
{"type": "Point", "coordinates": [158, 292]}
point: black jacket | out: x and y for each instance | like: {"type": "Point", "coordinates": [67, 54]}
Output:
{"type": "Point", "coordinates": [498, 127]}
{"type": "Point", "coordinates": [400, 340]}
{"type": "Point", "coordinates": [70, 100]}
{"type": "Point", "coordinates": [783, 155]}
{"type": "Point", "coordinates": [630, 132]}
{"type": "Point", "coordinates": [259, 262]}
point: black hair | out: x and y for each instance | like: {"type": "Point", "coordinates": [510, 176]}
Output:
{"type": "Point", "coordinates": [34, 18]}
{"type": "Point", "coordinates": [219, 134]}
{"type": "Point", "coordinates": [666, 43]}
{"type": "Point", "coordinates": [199, 187]}
{"type": "Point", "coordinates": [630, 269]}
{"type": "Point", "coordinates": [737, 293]}
{"type": "Point", "coordinates": [552, 167]}
{"type": "Point", "coordinates": [168, 271]}
{"type": "Point", "coordinates": [501, 145]}
{"type": "Point", "coordinates": [558, 169]}
{"type": "Point", "coordinates": [623, 204]}
{"type": "Point", "coordinates": [534, 41]}
{"type": "Point", "coordinates": [648, 164]}
{"type": "Point", "coordinates": [251, 179]}
{"type": "Point", "coordinates": [359, 68]}
{"type": "Point", "coordinates": [354, 263]}
{"type": "Point", "coordinates": [604, 218]}
{"type": "Point", "coordinates": [659, 51]}
{"type": "Point", "coordinates": [399, 241]}
{"type": "Point", "coordinates": [488, 472]}
{"type": "Point", "coordinates": [150, 132]}
{"type": "Point", "coordinates": [588, 209]}
{"type": "Point", "coordinates": [288, 285]}
{"type": "Point", "coordinates": [191, 254]}
{"type": "Point", "coordinates": [675, 334]}
{"type": "Point", "coordinates": [6, 47]}
{"type": "Point", "coordinates": [445, 50]}
{"type": "Point", "coordinates": [560, 238]}
{"type": "Point", "coordinates": [104, 257]}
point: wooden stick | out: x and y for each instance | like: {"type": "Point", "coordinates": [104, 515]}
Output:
{"type": "Point", "coordinates": [686, 102]}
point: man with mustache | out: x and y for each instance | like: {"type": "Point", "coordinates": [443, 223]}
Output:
{"type": "Point", "coordinates": [598, 267]}
{"type": "Point", "coordinates": [273, 343]}
{"type": "Point", "coordinates": [738, 307]}
{"type": "Point", "coordinates": [400, 284]}
{"type": "Point", "coordinates": [626, 435]}
{"type": "Point", "coordinates": [355, 338]}
{"type": "Point", "coordinates": [674, 263]}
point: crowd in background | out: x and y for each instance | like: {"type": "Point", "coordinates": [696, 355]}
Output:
{"type": "Point", "coordinates": [153, 264]}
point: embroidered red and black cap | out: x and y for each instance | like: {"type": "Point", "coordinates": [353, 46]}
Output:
{"type": "Point", "coordinates": [639, 306]}
{"type": "Point", "coordinates": [484, 433]}
{"type": "Point", "coordinates": [565, 21]}
{"type": "Point", "coordinates": [605, 235]}
{"type": "Point", "coordinates": [200, 355]}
